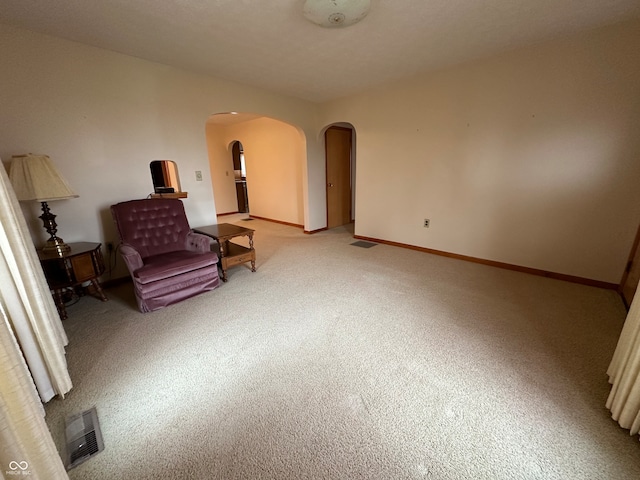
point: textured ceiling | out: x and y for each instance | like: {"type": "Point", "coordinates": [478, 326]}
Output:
{"type": "Point", "coordinates": [269, 44]}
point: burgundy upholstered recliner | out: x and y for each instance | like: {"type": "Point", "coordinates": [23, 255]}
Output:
{"type": "Point", "coordinates": [167, 261]}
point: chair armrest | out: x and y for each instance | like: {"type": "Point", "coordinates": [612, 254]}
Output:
{"type": "Point", "coordinates": [131, 257]}
{"type": "Point", "coordinates": [196, 242]}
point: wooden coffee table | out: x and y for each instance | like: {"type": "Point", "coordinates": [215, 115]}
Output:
{"type": "Point", "coordinates": [230, 253]}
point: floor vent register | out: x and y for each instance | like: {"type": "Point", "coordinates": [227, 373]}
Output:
{"type": "Point", "coordinates": [363, 244]}
{"type": "Point", "coordinates": [84, 438]}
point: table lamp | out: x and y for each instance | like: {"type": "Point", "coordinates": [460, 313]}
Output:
{"type": "Point", "coordinates": [34, 177]}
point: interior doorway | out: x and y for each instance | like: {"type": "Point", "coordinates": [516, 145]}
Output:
{"type": "Point", "coordinates": [275, 154]}
{"type": "Point", "coordinates": [240, 175]}
{"type": "Point", "coordinates": [338, 148]}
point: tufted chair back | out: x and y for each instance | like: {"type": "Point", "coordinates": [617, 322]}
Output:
{"type": "Point", "coordinates": [152, 226]}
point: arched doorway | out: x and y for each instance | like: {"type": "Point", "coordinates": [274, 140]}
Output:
{"type": "Point", "coordinates": [275, 154]}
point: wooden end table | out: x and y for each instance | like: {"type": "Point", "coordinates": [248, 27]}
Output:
{"type": "Point", "coordinates": [230, 253]}
{"type": "Point", "coordinates": [83, 263]}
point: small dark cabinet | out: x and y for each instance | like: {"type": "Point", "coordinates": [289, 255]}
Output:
{"type": "Point", "coordinates": [83, 263]}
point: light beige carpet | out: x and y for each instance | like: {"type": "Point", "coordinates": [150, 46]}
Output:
{"type": "Point", "coordinates": [339, 362]}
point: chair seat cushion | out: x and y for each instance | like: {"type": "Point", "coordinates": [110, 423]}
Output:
{"type": "Point", "coordinates": [167, 265]}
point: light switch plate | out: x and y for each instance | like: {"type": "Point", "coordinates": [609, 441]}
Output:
{"type": "Point", "coordinates": [198, 176]}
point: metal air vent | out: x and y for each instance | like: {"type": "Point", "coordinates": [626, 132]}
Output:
{"type": "Point", "coordinates": [84, 438]}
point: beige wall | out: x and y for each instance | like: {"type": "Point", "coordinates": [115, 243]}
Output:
{"type": "Point", "coordinates": [219, 141]}
{"type": "Point", "coordinates": [530, 158]}
{"type": "Point", "coordinates": [274, 154]}
{"type": "Point", "coordinates": [102, 117]}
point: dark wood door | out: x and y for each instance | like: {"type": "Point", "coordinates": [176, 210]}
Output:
{"type": "Point", "coordinates": [235, 153]}
{"type": "Point", "coordinates": [338, 158]}
{"type": "Point", "coordinates": [631, 277]}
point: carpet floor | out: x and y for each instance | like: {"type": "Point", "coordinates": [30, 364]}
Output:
{"type": "Point", "coordinates": [333, 361]}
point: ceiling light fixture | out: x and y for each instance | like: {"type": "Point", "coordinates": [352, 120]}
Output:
{"type": "Point", "coordinates": [335, 13]}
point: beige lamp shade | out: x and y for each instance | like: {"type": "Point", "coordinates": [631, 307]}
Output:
{"type": "Point", "coordinates": [34, 177]}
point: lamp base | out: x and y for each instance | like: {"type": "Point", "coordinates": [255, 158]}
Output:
{"type": "Point", "coordinates": [56, 245]}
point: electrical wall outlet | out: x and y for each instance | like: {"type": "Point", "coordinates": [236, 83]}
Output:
{"type": "Point", "coordinates": [198, 176]}
{"type": "Point", "coordinates": [426, 223]}
{"type": "Point", "coordinates": [109, 247]}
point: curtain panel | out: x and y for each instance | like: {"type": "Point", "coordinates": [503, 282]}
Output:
{"type": "Point", "coordinates": [624, 373]}
{"type": "Point", "coordinates": [33, 367]}
{"type": "Point", "coordinates": [26, 447]}
{"type": "Point", "coordinates": [27, 300]}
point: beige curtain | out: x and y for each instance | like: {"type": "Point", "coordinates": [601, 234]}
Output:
{"type": "Point", "coordinates": [26, 447]}
{"type": "Point", "coordinates": [32, 360]}
{"type": "Point", "coordinates": [27, 300]}
{"type": "Point", "coordinates": [624, 373]}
